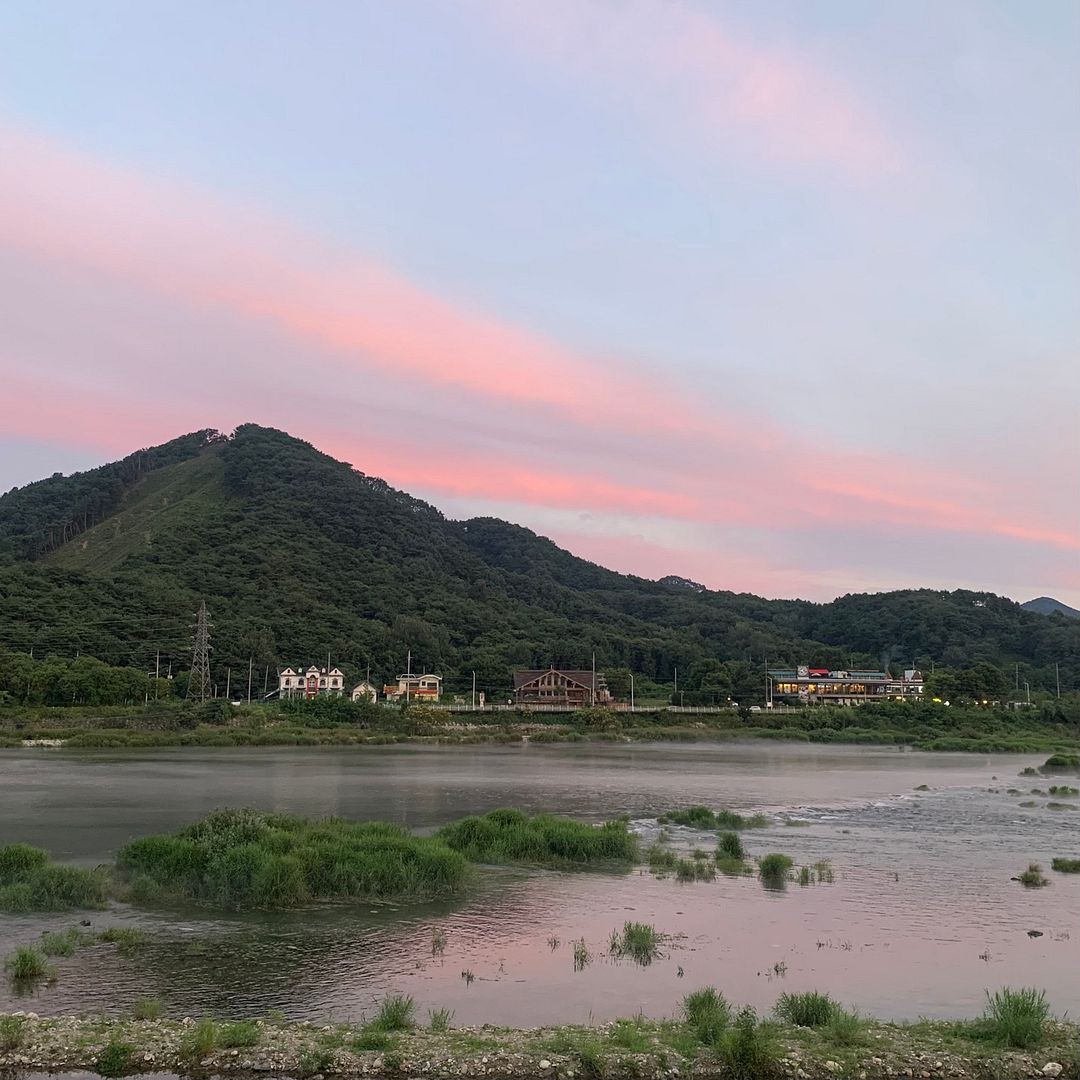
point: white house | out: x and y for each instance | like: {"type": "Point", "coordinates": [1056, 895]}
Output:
{"type": "Point", "coordinates": [414, 688]}
{"type": "Point", "coordinates": [311, 682]}
{"type": "Point", "coordinates": [364, 691]}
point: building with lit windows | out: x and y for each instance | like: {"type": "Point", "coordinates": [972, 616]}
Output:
{"type": "Point", "coordinates": [310, 683]}
{"type": "Point", "coordinates": [812, 685]}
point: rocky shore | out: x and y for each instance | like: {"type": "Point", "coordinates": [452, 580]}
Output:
{"type": "Point", "coordinates": [926, 1051]}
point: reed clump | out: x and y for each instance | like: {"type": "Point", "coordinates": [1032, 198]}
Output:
{"type": "Point", "coordinates": [509, 836]}
{"type": "Point", "coordinates": [1016, 1017]}
{"type": "Point", "coordinates": [246, 858]}
{"type": "Point", "coordinates": [708, 1014]}
{"type": "Point", "coordinates": [639, 941]}
{"type": "Point", "coordinates": [25, 964]}
{"type": "Point", "coordinates": [31, 881]}
{"type": "Point", "coordinates": [1033, 877]}
{"type": "Point", "coordinates": [810, 1009]}
{"type": "Point", "coordinates": [730, 846]}
{"type": "Point", "coordinates": [773, 869]}
{"type": "Point", "coordinates": [11, 1032]}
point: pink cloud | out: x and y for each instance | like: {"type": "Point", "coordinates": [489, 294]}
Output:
{"type": "Point", "coordinates": [681, 67]}
{"type": "Point", "coordinates": [514, 417]}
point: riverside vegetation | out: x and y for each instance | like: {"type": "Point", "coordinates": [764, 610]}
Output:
{"type": "Point", "coordinates": [810, 1036]}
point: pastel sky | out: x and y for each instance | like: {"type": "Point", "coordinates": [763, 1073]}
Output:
{"type": "Point", "coordinates": [782, 297]}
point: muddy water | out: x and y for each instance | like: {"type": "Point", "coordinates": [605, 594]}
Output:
{"type": "Point", "coordinates": [920, 918]}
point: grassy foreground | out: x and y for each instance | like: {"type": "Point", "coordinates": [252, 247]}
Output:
{"type": "Point", "coordinates": [392, 1044]}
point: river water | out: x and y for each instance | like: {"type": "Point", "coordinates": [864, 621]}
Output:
{"type": "Point", "coordinates": [920, 919]}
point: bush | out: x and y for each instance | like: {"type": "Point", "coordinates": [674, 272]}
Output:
{"type": "Point", "coordinates": [508, 836]}
{"type": "Point", "coordinates": [1016, 1017]}
{"type": "Point", "coordinates": [245, 858]}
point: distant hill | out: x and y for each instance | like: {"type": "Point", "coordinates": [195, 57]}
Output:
{"type": "Point", "coordinates": [1047, 605]}
{"type": "Point", "coordinates": [298, 555]}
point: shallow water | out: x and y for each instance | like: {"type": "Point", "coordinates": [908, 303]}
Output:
{"type": "Point", "coordinates": [920, 919]}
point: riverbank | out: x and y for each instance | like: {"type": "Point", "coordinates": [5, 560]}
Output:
{"type": "Point", "coordinates": [108, 734]}
{"type": "Point", "coordinates": [622, 1050]}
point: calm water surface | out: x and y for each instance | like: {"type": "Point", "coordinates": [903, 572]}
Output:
{"type": "Point", "coordinates": [920, 919]}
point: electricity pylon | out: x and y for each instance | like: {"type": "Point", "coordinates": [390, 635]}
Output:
{"type": "Point", "coordinates": [198, 687]}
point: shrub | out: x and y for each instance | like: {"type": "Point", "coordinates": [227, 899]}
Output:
{"type": "Point", "coordinates": [11, 1032]}
{"type": "Point", "coordinates": [114, 1059]}
{"type": "Point", "coordinates": [1033, 877]}
{"type": "Point", "coordinates": [707, 1014]}
{"type": "Point", "coordinates": [730, 846]}
{"type": "Point", "coordinates": [245, 858]}
{"type": "Point", "coordinates": [809, 1009]}
{"type": "Point", "coordinates": [508, 836]}
{"type": "Point", "coordinates": [1016, 1017]}
{"type": "Point", "coordinates": [1065, 866]}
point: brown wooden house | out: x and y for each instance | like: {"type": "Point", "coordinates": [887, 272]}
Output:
{"type": "Point", "coordinates": [569, 689]}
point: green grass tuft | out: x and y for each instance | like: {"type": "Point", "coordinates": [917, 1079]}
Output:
{"type": "Point", "coordinates": [396, 1013]}
{"type": "Point", "coordinates": [245, 858]}
{"type": "Point", "coordinates": [638, 941]}
{"type": "Point", "coordinates": [199, 1042]}
{"type": "Point", "coordinates": [439, 1019]}
{"type": "Point", "coordinates": [114, 1059]}
{"type": "Point", "coordinates": [1033, 877]}
{"type": "Point", "coordinates": [239, 1034]}
{"type": "Point", "coordinates": [810, 1009]}
{"type": "Point", "coordinates": [11, 1032]}
{"type": "Point", "coordinates": [1065, 866]}
{"type": "Point", "coordinates": [29, 881]}
{"type": "Point", "coordinates": [25, 963]}
{"type": "Point", "coordinates": [845, 1028]}
{"type": "Point", "coordinates": [707, 1014]}
{"type": "Point", "coordinates": [773, 869]}
{"type": "Point", "coordinates": [1017, 1017]}
{"type": "Point", "coordinates": [730, 846]}
{"type": "Point", "coordinates": [148, 1009]}
{"type": "Point", "coordinates": [749, 1048]}
{"type": "Point", "coordinates": [508, 836]}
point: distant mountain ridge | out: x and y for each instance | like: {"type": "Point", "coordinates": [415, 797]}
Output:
{"type": "Point", "coordinates": [1047, 605]}
{"type": "Point", "coordinates": [298, 555]}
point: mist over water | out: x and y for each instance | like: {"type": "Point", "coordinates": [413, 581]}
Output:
{"type": "Point", "coordinates": [920, 919]}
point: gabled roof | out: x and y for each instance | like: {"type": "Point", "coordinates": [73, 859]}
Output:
{"type": "Point", "coordinates": [581, 678]}
{"type": "Point", "coordinates": [416, 678]}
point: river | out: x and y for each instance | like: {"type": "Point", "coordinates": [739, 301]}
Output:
{"type": "Point", "coordinates": [920, 919]}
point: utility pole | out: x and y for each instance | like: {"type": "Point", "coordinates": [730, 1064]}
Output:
{"type": "Point", "coordinates": [594, 679]}
{"type": "Point", "coordinates": [157, 673]}
{"type": "Point", "coordinates": [1057, 677]}
{"type": "Point", "coordinates": [673, 696]}
{"type": "Point", "coordinates": [251, 671]}
{"type": "Point", "coordinates": [228, 682]}
{"type": "Point", "coordinates": [474, 691]}
{"type": "Point", "coordinates": [198, 688]}
{"type": "Point", "coordinates": [631, 691]}
{"type": "Point", "coordinates": [1017, 683]}
{"type": "Point", "coordinates": [1027, 687]}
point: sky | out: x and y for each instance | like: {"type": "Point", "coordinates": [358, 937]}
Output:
{"type": "Point", "coordinates": [782, 297]}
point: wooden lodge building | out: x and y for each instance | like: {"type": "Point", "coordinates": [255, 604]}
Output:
{"type": "Point", "coordinates": [565, 689]}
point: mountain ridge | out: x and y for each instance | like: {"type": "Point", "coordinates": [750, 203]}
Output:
{"type": "Point", "coordinates": [297, 553]}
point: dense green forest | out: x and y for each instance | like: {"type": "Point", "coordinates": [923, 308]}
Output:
{"type": "Point", "coordinates": [299, 556]}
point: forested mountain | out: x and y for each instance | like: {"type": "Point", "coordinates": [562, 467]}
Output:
{"type": "Point", "coordinates": [1047, 605]}
{"type": "Point", "coordinates": [299, 556]}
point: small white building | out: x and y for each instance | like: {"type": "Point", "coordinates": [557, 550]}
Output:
{"type": "Point", "coordinates": [364, 691]}
{"type": "Point", "coordinates": [311, 682]}
{"type": "Point", "coordinates": [414, 688]}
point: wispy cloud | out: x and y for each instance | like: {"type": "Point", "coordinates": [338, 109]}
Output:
{"type": "Point", "coordinates": [261, 320]}
{"type": "Point", "coordinates": [676, 66]}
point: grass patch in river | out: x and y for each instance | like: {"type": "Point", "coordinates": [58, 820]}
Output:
{"type": "Point", "coordinates": [773, 870]}
{"type": "Point", "coordinates": [509, 836]}
{"type": "Point", "coordinates": [1065, 866]}
{"type": "Point", "coordinates": [26, 964]}
{"type": "Point", "coordinates": [701, 817]}
{"type": "Point", "coordinates": [31, 881]}
{"type": "Point", "coordinates": [245, 858]}
{"type": "Point", "coordinates": [1033, 877]}
{"type": "Point", "coordinates": [638, 941]}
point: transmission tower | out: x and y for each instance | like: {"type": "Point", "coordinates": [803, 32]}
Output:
{"type": "Point", "coordinates": [198, 687]}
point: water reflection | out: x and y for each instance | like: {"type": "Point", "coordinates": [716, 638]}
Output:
{"type": "Point", "coordinates": [919, 918]}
